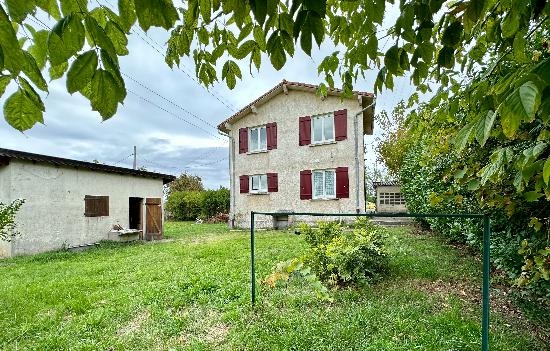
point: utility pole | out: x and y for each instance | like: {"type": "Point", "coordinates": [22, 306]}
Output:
{"type": "Point", "coordinates": [135, 158]}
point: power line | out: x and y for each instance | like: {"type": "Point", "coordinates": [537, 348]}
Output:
{"type": "Point", "coordinates": [175, 115]}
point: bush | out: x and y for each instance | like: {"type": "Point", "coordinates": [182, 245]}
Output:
{"type": "Point", "coordinates": [7, 219]}
{"type": "Point", "coordinates": [190, 205]}
{"type": "Point", "coordinates": [342, 257]}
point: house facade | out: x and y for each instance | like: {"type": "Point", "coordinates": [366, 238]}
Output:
{"type": "Point", "coordinates": [294, 151]}
{"type": "Point", "coordinates": [71, 203]}
{"type": "Point", "coordinates": [389, 198]}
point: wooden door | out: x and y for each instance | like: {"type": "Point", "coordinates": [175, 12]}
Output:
{"type": "Point", "coordinates": [153, 219]}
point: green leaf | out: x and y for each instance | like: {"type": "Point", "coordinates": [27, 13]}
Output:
{"type": "Point", "coordinates": [391, 60]}
{"type": "Point", "coordinates": [521, 105]}
{"type": "Point", "coordinates": [19, 9]}
{"type": "Point", "coordinates": [104, 91]}
{"type": "Point", "coordinates": [82, 71]}
{"type": "Point", "coordinates": [32, 71]}
{"type": "Point", "coordinates": [473, 12]}
{"type": "Point", "coordinates": [57, 72]}
{"type": "Point", "coordinates": [463, 137]}
{"type": "Point", "coordinates": [21, 112]}
{"type": "Point", "coordinates": [445, 57]}
{"type": "Point", "coordinates": [259, 36]}
{"type": "Point", "coordinates": [276, 50]}
{"type": "Point", "coordinates": [546, 171]}
{"type": "Point", "coordinates": [318, 6]}
{"type": "Point", "coordinates": [484, 127]}
{"type": "Point", "coordinates": [306, 39]}
{"type": "Point", "coordinates": [452, 36]}
{"type": "Point", "coordinates": [245, 49]}
{"type": "Point", "coordinates": [39, 49]}
{"type": "Point", "coordinates": [70, 6]}
{"type": "Point", "coordinates": [259, 9]}
{"type": "Point", "coordinates": [118, 38]}
{"type": "Point", "coordinates": [127, 14]}
{"type": "Point", "coordinates": [519, 47]}
{"type": "Point", "coordinates": [1, 58]}
{"type": "Point", "coordinates": [372, 47]}
{"type": "Point", "coordinates": [50, 7]}
{"type": "Point", "coordinates": [100, 37]}
{"type": "Point", "coordinates": [156, 13]}
{"type": "Point", "coordinates": [229, 72]}
{"type": "Point", "coordinates": [114, 69]}
{"type": "Point", "coordinates": [510, 25]}
{"type": "Point", "coordinates": [532, 196]}
{"type": "Point", "coordinates": [13, 55]}
{"type": "Point", "coordinates": [4, 82]}
{"type": "Point", "coordinates": [473, 185]}
{"type": "Point", "coordinates": [205, 8]}
{"type": "Point", "coordinates": [31, 93]}
{"type": "Point", "coordinates": [256, 58]}
{"type": "Point", "coordinates": [66, 39]}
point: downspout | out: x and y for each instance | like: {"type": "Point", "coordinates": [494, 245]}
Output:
{"type": "Point", "coordinates": [231, 179]}
{"type": "Point", "coordinates": [357, 177]}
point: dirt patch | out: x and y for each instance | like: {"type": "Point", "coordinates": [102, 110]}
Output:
{"type": "Point", "coordinates": [216, 333]}
{"type": "Point", "coordinates": [204, 326]}
{"type": "Point", "coordinates": [135, 324]}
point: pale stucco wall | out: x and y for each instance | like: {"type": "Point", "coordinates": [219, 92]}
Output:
{"type": "Point", "coordinates": [388, 208]}
{"type": "Point", "coordinates": [289, 158]}
{"type": "Point", "coordinates": [5, 179]}
{"type": "Point", "coordinates": [53, 214]}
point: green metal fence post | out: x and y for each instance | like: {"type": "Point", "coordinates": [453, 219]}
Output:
{"type": "Point", "coordinates": [253, 282]}
{"type": "Point", "coordinates": [486, 273]}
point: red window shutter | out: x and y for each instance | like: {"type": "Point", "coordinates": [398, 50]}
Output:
{"type": "Point", "coordinates": [305, 185]}
{"type": "Point", "coordinates": [271, 131]}
{"type": "Point", "coordinates": [244, 184]}
{"type": "Point", "coordinates": [342, 182]}
{"type": "Point", "coordinates": [305, 130]}
{"type": "Point", "coordinates": [243, 140]}
{"type": "Point", "coordinates": [272, 182]}
{"type": "Point", "coordinates": [341, 125]}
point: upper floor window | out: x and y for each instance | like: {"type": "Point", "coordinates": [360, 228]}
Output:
{"type": "Point", "coordinates": [324, 184]}
{"type": "Point", "coordinates": [323, 128]}
{"type": "Point", "coordinates": [257, 140]}
{"type": "Point", "coordinates": [258, 183]}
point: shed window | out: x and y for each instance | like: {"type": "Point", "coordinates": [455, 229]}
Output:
{"type": "Point", "coordinates": [391, 199]}
{"type": "Point", "coordinates": [96, 206]}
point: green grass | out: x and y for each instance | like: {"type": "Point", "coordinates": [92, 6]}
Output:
{"type": "Point", "coordinates": [193, 293]}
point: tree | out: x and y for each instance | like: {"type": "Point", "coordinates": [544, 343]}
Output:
{"type": "Point", "coordinates": [185, 182]}
{"type": "Point", "coordinates": [434, 40]}
{"type": "Point", "coordinates": [7, 219]}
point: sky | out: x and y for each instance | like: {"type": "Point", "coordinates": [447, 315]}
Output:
{"type": "Point", "coordinates": [168, 115]}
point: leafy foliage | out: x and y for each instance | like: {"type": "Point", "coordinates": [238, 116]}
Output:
{"type": "Point", "coordinates": [7, 219]}
{"type": "Point", "coordinates": [185, 182]}
{"type": "Point", "coordinates": [190, 205]}
{"type": "Point", "coordinates": [434, 41]}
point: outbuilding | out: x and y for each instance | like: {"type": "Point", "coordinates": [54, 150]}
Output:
{"type": "Point", "coordinates": [389, 197]}
{"type": "Point", "coordinates": [70, 203]}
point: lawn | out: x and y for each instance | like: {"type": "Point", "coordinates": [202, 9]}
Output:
{"type": "Point", "coordinates": [192, 292]}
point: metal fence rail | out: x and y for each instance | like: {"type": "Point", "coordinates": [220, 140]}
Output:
{"type": "Point", "coordinates": [486, 252]}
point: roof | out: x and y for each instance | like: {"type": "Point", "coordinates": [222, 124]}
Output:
{"type": "Point", "coordinates": [284, 87]}
{"type": "Point", "coordinates": [387, 183]}
{"type": "Point", "coordinates": [6, 155]}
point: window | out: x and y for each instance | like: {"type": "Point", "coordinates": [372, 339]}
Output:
{"type": "Point", "coordinates": [391, 199]}
{"type": "Point", "coordinates": [324, 184]}
{"type": "Point", "coordinates": [323, 128]}
{"type": "Point", "coordinates": [96, 206]}
{"type": "Point", "coordinates": [258, 183]}
{"type": "Point", "coordinates": [258, 139]}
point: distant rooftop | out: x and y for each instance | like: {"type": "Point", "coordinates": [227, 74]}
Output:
{"type": "Point", "coordinates": [387, 183]}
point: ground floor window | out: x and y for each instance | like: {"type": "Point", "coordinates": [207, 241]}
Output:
{"type": "Point", "coordinates": [258, 183]}
{"type": "Point", "coordinates": [324, 184]}
{"type": "Point", "coordinates": [96, 206]}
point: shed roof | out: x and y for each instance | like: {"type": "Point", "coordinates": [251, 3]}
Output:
{"type": "Point", "coordinates": [6, 155]}
{"type": "Point", "coordinates": [285, 86]}
{"type": "Point", "coordinates": [386, 183]}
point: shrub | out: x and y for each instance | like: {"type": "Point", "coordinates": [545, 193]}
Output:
{"type": "Point", "coordinates": [215, 202]}
{"type": "Point", "coordinates": [7, 219]}
{"type": "Point", "coordinates": [190, 205]}
{"type": "Point", "coordinates": [343, 257]}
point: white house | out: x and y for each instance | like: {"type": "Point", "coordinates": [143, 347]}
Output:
{"type": "Point", "coordinates": [292, 150]}
{"type": "Point", "coordinates": [71, 203]}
